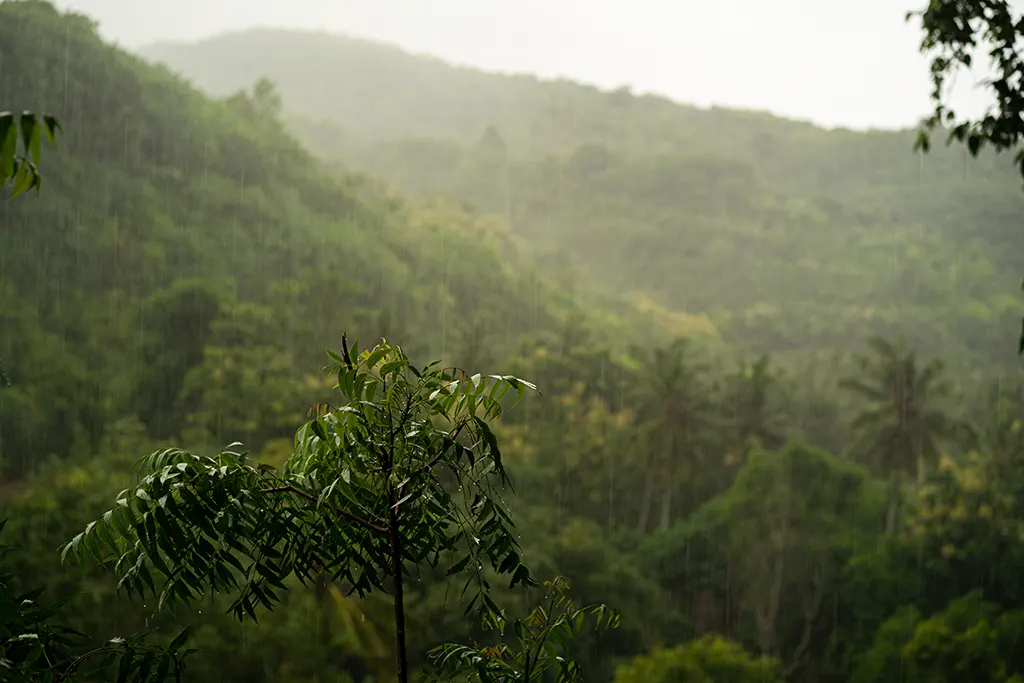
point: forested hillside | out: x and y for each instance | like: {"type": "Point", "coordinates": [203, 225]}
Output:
{"type": "Point", "coordinates": [721, 450]}
{"type": "Point", "coordinates": [790, 238]}
{"type": "Point", "coordinates": [181, 276]}
{"type": "Point", "coordinates": [174, 223]}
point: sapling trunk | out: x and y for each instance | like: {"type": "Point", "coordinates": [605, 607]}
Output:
{"type": "Point", "coordinates": [396, 568]}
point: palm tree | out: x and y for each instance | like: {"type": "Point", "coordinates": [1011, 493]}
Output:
{"type": "Point", "coordinates": [902, 425]}
{"type": "Point", "coordinates": [673, 410]}
{"type": "Point", "coordinates": [753, 413]}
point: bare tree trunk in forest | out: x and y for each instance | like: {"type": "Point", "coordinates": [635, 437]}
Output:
{"type": "Point", "coordinates": [667, 483]}
{"type": "Point", "coordinates": [811, 612]}
{"type": "Point", "coordinates": [646, 501]}
{"type": "Point", "coordinates": [894, 503]}
{"type": "Point", "coordinates": [768, 618]}
{"type": "Point", "coordinates": [666, 502]}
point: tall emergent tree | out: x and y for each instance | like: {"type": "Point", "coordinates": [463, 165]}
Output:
{"type": "Point", "coordinates": [675, 411]}
{"type": "Point", "coordinates": [406, 471]}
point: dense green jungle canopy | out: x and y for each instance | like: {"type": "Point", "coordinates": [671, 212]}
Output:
{"type": "Point", "coordinates": [779, 423]}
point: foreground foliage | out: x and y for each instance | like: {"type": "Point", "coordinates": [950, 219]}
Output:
{"type": "Point", "coordinates": [34, 648]}
{"type": "Point", "coordinates": [541, 640]}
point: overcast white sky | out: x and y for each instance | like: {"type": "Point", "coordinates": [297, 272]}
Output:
{"type": "Point", "coordinates": [837, 62]}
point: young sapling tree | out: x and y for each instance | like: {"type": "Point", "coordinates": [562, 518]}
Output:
{"type": "Point", "coordinates": [405, 471]}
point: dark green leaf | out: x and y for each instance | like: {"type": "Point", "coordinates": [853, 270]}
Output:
{"type": "Point", "coordinates": [180, 639]}
{"type": "Point", "coordinates": [8, 145]}
{"type": "Point", "coordinates": [30, 133]}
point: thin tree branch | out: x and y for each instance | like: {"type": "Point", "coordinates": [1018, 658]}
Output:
{"type": "Point", "coordinates": [309, 496]}
{"type": "Point", "coordinates": [454, 434]}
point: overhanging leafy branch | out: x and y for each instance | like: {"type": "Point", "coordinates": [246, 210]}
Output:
{"type": "Point", "coordinates": [22, 168]}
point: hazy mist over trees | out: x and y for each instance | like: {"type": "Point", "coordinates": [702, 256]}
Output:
{"type": "Point", "coordinates": [835, 63]}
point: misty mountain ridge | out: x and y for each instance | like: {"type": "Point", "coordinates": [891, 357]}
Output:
{"type": "Point", "coordinates": [173, 221]}
{"type": "Point", "coordinates": [787, 236]}
{"type": "Point", "coordinates": [305, 57]}
{"type": "Point", "coordinates": [341, 45]}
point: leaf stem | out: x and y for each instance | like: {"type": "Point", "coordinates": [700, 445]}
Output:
{"type": "Point", "coordinates": [309, 496]}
